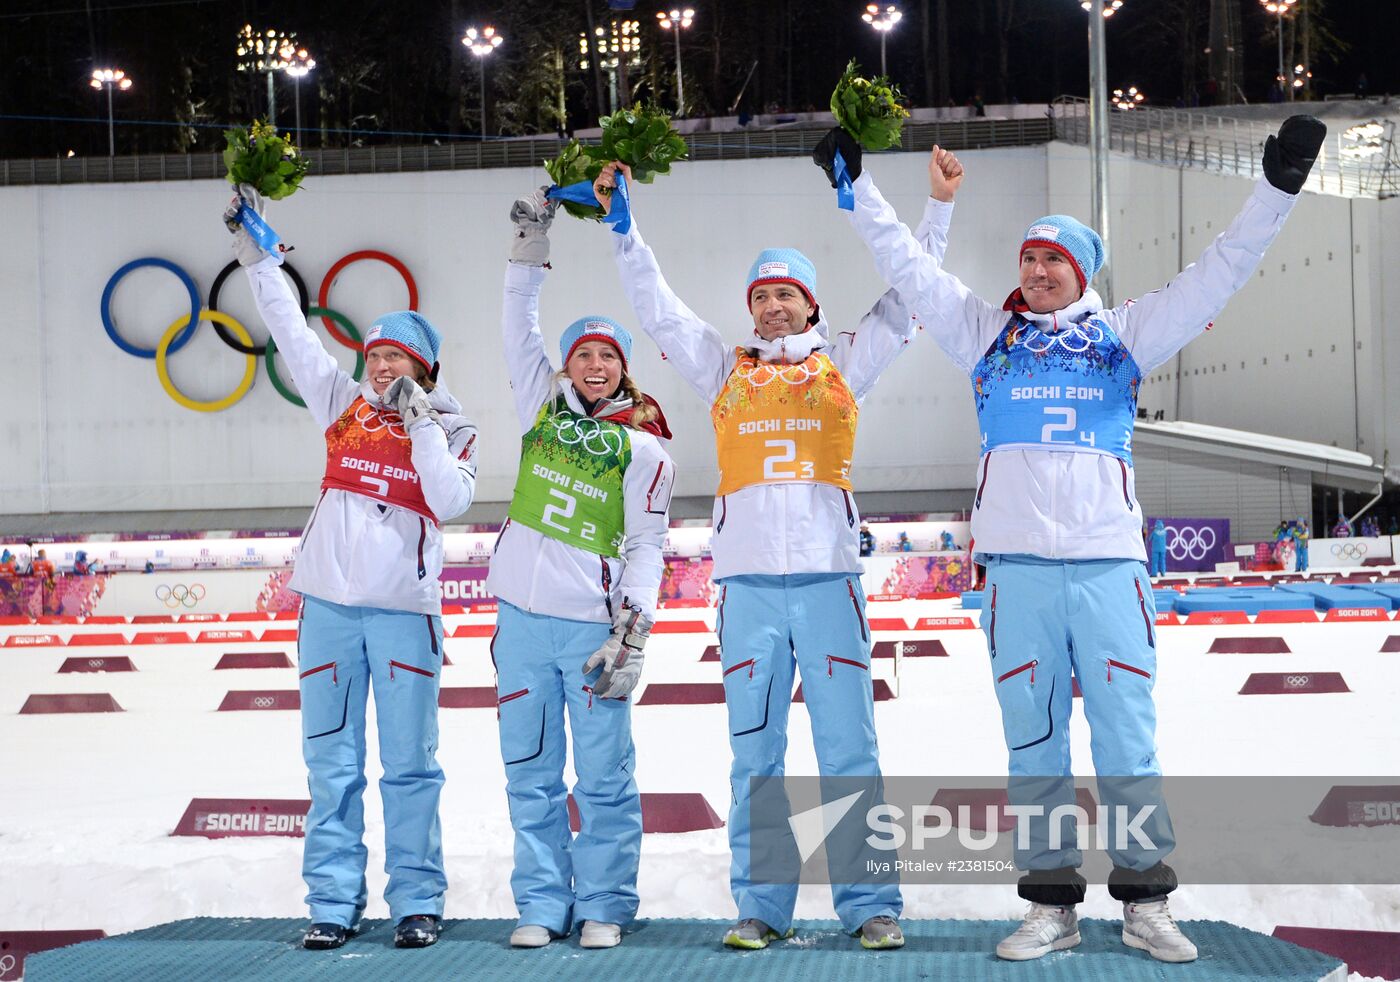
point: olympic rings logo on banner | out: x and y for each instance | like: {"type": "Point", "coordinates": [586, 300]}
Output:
{"type": "Point", "coordinates": [264, 702]}
{"type": "Point", "coordinates": [1348, 550]}
{"type": "Point", "coordinates": [1297, 681]}
{"type": "Point", "coordinates": [180, 595]}
{"type": "Point", "coordinates": [1189, 543]}
{"type": "Point", "coordinates": [235, 335]}
{"type": "Point", "coordinates": [588, 434]}
{"type": "Point", "coordinates": [1075, 339]}
{"type": "Point", "coordinates": [96, 662]}
{"type": "Point", "coordinates": [762, 373]}
{"type": "Point", "coordinates": [7, 964]}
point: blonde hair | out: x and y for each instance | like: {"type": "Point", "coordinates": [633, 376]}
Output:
{"type": "Point", "coordinates": [643, 412]}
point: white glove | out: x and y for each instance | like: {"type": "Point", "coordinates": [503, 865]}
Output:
{"type": "Point", "coordinates": [532, 216]}
{"type": "Point", "coordinates": [245, 249]}
{"type": "Point", "coordinates": [621, 655]}
{"type": "Point", "coordinates": [409, 399]}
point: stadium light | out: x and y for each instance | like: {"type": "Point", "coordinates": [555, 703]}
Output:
{"type": "Point", "coordinates": [109, 79]}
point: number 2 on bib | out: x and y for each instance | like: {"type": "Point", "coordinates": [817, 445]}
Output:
{"type": "Point", "coordinates": [787, 454]}
{"type": "Point", "coordinates": [1067, 424]}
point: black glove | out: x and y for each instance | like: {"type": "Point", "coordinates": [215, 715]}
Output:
{"type": "Point", "coordinates": [824, 154]}
{"type": "Point", "coordinates": [1289, 156]}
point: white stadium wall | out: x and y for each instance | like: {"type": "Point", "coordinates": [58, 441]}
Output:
{"type": "Point", "coordinates": [89, 428]}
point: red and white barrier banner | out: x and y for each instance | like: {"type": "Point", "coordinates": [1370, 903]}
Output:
{"type": "Point", "coordinates": [223, 818]}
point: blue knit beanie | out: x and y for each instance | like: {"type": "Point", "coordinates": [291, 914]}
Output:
{"type": "Point", "coordinates": [596, 328]}
{"type": "Point", "coordinates": [1071, 238]}
{"type": "Point", "coordinates": [783, 266]}
{"type": "Point", "coordinates": [409, 331]}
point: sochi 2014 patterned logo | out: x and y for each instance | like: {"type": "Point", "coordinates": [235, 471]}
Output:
{"type": "Point", "coordinates": [234, 334]}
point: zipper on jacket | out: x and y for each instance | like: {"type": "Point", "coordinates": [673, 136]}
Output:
{"type": "Point", "coordinates": [743, 664]}
{"type": "Point", "coordinates": [992, 632]}
{"type": "Point", "coordinates": [422, 536]}
{"type": "Point", "coordinates": [607, 592]}
{"type": "Point", "coordinates": [1127, 668]}
{"type": "Point", "coordinates": [589, 690]}
{"type": "Point", "coordinates": [860, 618]}
{"type": "Point", "coordinates": [723, 513]}
{"type": "Point", "coordinates": [1017, 671]}
{"type": "Point", "coordinates": [432, 636]}
{"type": "Point", "coordinates": [986, 466]}
{"type": "Point", "coordinates": [1127, 500]}
{"type": "Point", "coordinates": [409, 668]}
{"type": "Point", "coordinates": [335, 680]}
{"type": "Point", "coordinates": [850, 512]}
{"type": "Point", "coordinates": [497, 544]}
{"type": "Point", "coordinates": [843, 661]}
{"type": "Point", "coordinates": [1142, 606]}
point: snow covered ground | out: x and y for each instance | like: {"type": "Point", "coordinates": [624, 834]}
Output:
{"type": "Point", "coordinates": [87, 803]}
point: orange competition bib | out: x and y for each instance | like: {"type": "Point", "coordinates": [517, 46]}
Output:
{"type": "Point", "coordinates": [781, 423]}
{"type": "Point", "coordinates": [368, 452]}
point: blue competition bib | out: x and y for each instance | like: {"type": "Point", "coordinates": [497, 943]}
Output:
{"type": "Point", "coordinates": [1074, 389]}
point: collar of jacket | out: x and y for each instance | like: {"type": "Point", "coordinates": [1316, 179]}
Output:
{"type": "Point", "coordinates": [1085, 306]}
{"type": "Point", "coordinates": [792, 349]}
{"type": "Point", "coordinates": [618, 410]}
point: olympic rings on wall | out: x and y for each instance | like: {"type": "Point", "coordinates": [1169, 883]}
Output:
{"type": "Point", "coordinates": [111, 328]}
{"type": "Point", "coordinates": [180, 595]}
{"type": "Point", "coordinates": [1349, 550]}
{"type": "Point", "coordinates": [251, 349]}
{"type": "Point", "coordinates": [1190, 543]}
{"type": "Point", "coordinates": [250, 367]}
{"type": "Point", "coordinates": [234, 334]}
{"type": "Point", "coordinates": [323, 296]}
{"type": "Point", "coordinates": [270, 350]}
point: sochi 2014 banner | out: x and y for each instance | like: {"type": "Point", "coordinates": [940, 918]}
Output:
{"type": "Point", "coordinates": [1194, 545]}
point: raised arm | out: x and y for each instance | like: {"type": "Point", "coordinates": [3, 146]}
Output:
{"type": "Point", "coordinates": [961, 323]}
{"type": "Point", "coordinates": [690, 344]}
{"type": "Point", "coordinates": [1158, 325]}
{"type": "Point", "coordinates": [527, 359]}
{"type": "Point", "coordinates": [863, 355]}
{"type": "Point", "coordinates": [325, 387]}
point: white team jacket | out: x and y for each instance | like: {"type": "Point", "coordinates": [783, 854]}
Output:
{"type": "Point", "coordinates": [356, 551]}
{"type": "Point", "coordinates": [1066, 503]}
{"type": "Point", "coordinates": [793, 527]}
{"type": "Point", "coordinates": [546, 576]}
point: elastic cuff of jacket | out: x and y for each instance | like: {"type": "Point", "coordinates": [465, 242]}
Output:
{"type": "Point", "coordinates": [1054, 887]}
{"type": "Point", "coordinates": [1130, 886]}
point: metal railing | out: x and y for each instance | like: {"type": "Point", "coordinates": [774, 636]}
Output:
{"type": "Point", "coordinates": [741, 144]}
{"type": "Point", "coordinates": [1187, 138]}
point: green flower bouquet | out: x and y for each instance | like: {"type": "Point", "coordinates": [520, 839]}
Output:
{"type": "Point", "coordinates": [641, 138]}
{"type": "Point", "coordinates": [270, 163]}
{"type": "Point", "coordinates": [870, 110]}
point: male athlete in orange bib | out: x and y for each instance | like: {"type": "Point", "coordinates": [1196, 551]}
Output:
{"type": "Point", "coordinates": [786, 543]}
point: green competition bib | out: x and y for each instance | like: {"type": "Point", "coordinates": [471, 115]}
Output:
{"type": "Point", "coordinates": [570, 482]}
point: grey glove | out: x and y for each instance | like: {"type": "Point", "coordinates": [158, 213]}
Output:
{"type": "Point", "coordinates": [245, 249]}
{"type": "Point", "coordinates": [532, 216]}
{"type": "Point", "coordinates": [621, 655]}
{"type": "Point", "coordinates": [410, 400]}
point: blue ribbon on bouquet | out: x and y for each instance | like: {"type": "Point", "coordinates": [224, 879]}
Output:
{"type": "Point", "coordinates": [620, 218]}
{"type": "Point", "coordinates": [845, 196]}
{"type": "Point", "coordinates": [261, 232]}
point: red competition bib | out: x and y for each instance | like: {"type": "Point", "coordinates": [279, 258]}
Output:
{"type": "Point", "coordinates": [368, 452]}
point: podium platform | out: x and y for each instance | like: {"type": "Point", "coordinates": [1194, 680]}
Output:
{"type": "Point", "coordinates": [268, 950]}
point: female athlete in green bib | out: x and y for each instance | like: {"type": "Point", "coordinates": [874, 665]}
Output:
{"type": "Point", "coordinates": [576, 570]}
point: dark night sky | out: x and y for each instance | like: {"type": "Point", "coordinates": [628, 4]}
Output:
{"type": "Point", "coordinates": [398, 67]}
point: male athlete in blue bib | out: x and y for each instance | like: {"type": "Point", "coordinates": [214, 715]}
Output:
{"type": "Point", "coordinates": [1055, 376]}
